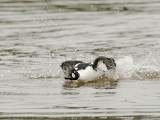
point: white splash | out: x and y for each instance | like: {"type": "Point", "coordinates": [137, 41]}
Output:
{"type": "Point", "coordinates": [128, 69]}
{"type": "Point", "coordinates": [125, 67]}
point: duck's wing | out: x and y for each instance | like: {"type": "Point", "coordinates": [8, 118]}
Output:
{"type": "Point", "coordinates": [104, 63]}
{"type": "Point", "coordinates": [69, 64]}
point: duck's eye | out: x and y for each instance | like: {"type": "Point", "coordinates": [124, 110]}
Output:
{"type": "Point", "coordinates": [74, 71]}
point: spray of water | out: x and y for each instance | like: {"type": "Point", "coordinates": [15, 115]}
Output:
{"type": "Point", "coordinates": [145, 69]}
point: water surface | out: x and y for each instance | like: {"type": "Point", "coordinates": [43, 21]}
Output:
{"type": "Point", "coordinates": [36, 36]}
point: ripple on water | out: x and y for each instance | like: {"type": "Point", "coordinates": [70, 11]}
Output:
{"type": "Point", "coordinates": [36, 36]}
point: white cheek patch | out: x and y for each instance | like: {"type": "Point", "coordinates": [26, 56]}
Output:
{"type": "Point", "coordinates": [102, 66]}
{"type": "Point", "coordinates": [73, 75]}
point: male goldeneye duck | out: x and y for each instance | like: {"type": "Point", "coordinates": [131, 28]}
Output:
{"type": "Point", "coordinates": [78, 70]}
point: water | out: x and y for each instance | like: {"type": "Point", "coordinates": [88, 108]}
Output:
{"type": "Point", "coordinates": [36, 36]}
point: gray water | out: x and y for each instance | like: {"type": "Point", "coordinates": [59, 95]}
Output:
{"type": "Point", "coordinates": [37, 35]}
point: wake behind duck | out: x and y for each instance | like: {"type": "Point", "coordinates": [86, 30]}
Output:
{"type": "Point", "coordinates": [79, 70]}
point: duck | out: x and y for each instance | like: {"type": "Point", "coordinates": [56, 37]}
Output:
{"type": "Point", "coordinates": [79, 70]}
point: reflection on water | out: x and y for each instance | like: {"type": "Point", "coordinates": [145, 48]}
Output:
{"type": "Point", "coordinates": [36, 36]}
{"type": "Point", "coordinates": [102, 83]}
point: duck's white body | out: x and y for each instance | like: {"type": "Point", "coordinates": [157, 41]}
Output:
{"type": "Point", "coordinates": [89, 74]}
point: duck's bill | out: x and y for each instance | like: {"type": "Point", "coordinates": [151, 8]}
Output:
{"type": "Point", "coordinates": [68, 78]}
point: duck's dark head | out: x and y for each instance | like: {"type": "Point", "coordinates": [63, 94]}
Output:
{"type": "Point", "coordinates": [73, 74]}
